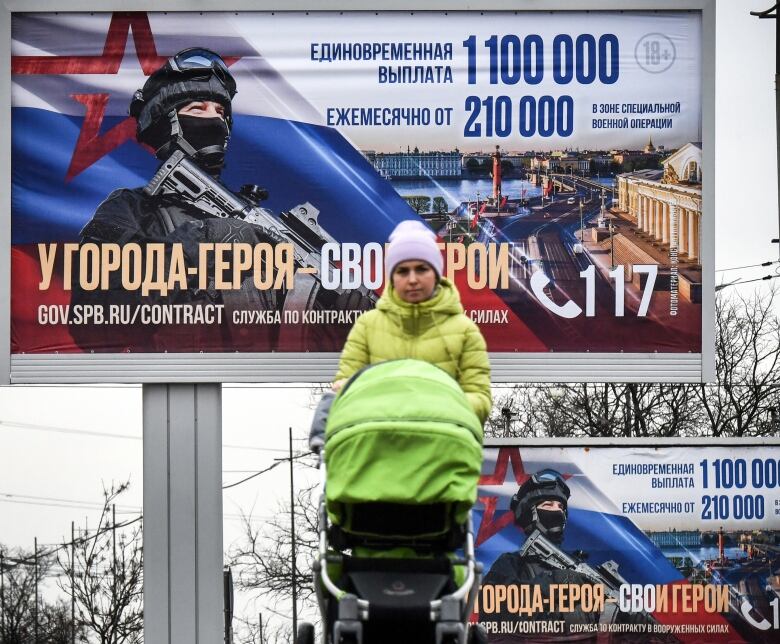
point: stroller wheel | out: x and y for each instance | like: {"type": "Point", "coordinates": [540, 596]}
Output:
{"type": "Point", "coordinates": [305, 633]}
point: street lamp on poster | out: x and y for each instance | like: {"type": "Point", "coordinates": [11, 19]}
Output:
{"type": "Point", "coordinates": [579, 246]}
{"type": "Point", "coordinates": [602, 212]}
{"type": "Point", "coordinates": [612, 244]}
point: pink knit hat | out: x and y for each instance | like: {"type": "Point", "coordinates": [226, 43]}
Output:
{"type": "Point", "coordinates": [412, 240]}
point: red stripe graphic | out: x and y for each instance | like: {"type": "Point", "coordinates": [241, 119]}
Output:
{"type": "Point", "coordinates": [113, 51]}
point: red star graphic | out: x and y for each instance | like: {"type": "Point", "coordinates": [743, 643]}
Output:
{"type": "Point", "coordinates": [492, 524]}
{"type": "Point", "coordinates": [91, 145]}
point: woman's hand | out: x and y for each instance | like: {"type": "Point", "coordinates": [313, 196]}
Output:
{"type": "Point", "coordinates": [338, 384]}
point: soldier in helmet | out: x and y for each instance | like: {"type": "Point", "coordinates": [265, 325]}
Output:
{"type": "Point", "coordinates": [185, 105]}
{"type": "Point", "coordinates": [541, 505]}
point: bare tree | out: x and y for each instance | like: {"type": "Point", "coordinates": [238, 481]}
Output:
{"type": "Point", "coordinates": [55, 624]}
{"type": "Point", "coordinates": [745, 401]}
{"type": "Point", "coordinates": [747, 354]}
{"type": "Point", "coordinates": [18, 597]}
{"type": "Point", "coordinates": [106, 570]}
{"type": "Point", "coordinates": [248, 631]}
{"type": "Point", "coordinates": [264, 565]}
{"type": "Point", "coordinates": [263, 558]}
{"type": "Point", "coordinates": [596, 410]}
{"type": "Point", "coordinates": [20, 618]}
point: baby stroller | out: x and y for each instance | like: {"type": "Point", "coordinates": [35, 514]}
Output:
{"type": "Point", "coordinates": [403, 453]}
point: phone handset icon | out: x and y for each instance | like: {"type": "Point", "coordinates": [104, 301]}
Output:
{"type": "Point", "coordinates": [568, 310]}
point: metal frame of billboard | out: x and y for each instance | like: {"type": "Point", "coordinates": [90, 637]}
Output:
{"type": "Point", "coordinates": [309, 367]}
{"type": "Point", "coordinates": [624, 442]}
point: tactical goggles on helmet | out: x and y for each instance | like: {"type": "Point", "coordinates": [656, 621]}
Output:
{"type": "Point", "coordinates": [550, 478]}
{"type": "Point", "coordinates": [197, 62]}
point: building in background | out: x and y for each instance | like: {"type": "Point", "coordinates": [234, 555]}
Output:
{"type": "Point", "coordinates": [661, 210]}
{"type": "Point", "coordinates": [415, 163]}
{"type": "Point", "coordinates": [666, 204]}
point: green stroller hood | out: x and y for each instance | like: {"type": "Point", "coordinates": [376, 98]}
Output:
{"type": "Point", "coordinates": [402, 432]}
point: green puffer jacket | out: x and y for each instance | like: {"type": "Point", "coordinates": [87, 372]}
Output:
{"type": "Point", "coordinates": [436, 331]}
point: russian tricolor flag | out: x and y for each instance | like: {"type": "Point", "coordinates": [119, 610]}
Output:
{"type": "Point", "coordinates": [73, 143]}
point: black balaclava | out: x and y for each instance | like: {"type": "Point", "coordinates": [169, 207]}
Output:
{"type": "Point", "coordinates": [208, 136]}
{"type": "Point", "coordinates": [550, 523]}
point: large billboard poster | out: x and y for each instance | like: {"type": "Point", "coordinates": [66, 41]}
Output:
{"type": "Point", "coordinates": [557, 156]}
{"type": "Point", "coordinates": [659, 544]}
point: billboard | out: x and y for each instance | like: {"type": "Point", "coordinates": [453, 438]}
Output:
{"type": "Point", "coordinates": [662, 543]}
{"type": "Point", "coordinates": [558, 157]}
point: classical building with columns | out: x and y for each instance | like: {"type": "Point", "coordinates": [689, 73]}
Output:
{"type": "Point", "coordinates": [665, 204]}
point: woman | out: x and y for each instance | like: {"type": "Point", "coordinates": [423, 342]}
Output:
{"type": "Point", "coordinates": [420, 316]}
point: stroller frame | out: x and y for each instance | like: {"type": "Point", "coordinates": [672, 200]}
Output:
{"type": "Point", "coordinates": [450, 613]}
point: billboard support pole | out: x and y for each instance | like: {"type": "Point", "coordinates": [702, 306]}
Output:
{"type": "Point", "coordinates": [182, 450]}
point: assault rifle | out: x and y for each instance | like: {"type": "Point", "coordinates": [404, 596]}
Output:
{"type": "Point", "coordinates": [605, 574]}
{"type": "Point", "coordinates": [179, 175]}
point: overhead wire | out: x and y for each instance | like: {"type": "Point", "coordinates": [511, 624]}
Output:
{"type": "Point", "coordinates": [737, 268]}
{"type": "Point", "coordinates": [758, 279]}
{"type": "Point", "coordinates": [30, 560]}
{"type": "Point", "coordinates": [87, 505]}
{"type": "Point", "coordinates": [278, 462]}
{"type": "Point", "coordinates": [28, 499]}
{"type": "Point", "coordinates": [75, 542]}
{"type": "Point", "coordinates": [10, 424]}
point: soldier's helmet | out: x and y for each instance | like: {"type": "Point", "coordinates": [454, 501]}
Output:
{"type": "Point", "coordinates": [194, 74]}
{"type": "Point", "coordinates": [545, 485]}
